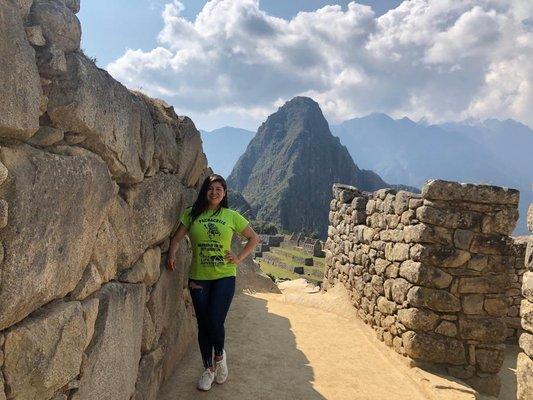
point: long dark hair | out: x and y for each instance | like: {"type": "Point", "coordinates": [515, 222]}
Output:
{"type": "Point", "coordinates": [201, 203]}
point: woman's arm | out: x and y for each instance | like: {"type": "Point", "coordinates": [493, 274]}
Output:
{"type": "Point", "coordinates": [173, 248]}
{"type": "Point", "coordinates": [253, 241]}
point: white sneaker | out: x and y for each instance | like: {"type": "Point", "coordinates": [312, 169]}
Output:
{"type": "Point", "coordinates": [221, 369]}
{"type": "Point", "coordinates": [206, 380]}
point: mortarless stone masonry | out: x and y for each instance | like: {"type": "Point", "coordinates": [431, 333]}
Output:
{"type": "Point", "coordinates": [524, 367]}
{"type": "Point", "coordinates": [429, 272]}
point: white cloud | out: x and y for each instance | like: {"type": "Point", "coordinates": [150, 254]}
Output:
{"type": "Point", "coordinates": [440, 59]}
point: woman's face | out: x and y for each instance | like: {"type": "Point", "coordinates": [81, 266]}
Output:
{"type": "Point", "coordinates": [215, 193]}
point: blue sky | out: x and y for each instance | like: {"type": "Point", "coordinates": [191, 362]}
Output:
{"type": "Point", "coordinates": [233, 62]}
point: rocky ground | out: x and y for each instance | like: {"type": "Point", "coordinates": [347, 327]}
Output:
{"type": "Point", "coordinates": [301, 344]}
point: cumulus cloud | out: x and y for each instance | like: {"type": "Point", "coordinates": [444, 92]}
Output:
{"type": "Point", "coordinates": [438, 59]}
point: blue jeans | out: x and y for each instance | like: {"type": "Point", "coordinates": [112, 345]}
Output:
{"type": "Point", "coordinates": [211, 300]}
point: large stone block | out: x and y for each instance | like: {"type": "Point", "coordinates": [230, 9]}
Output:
{"type": "Point", "coordinates": [445, 190]}
{"type": "Point", "coordinates": [423, 233]}
{"type": "Point", "coordinates": [147, 216]}
{"type": "Point", "coordinates": [112, 363]}
{"type": "Point", "coordinates": [489, 360]}
{"type": "Point", "coordinates": [20, 83]}
{"type": "Point", "coordinates": [526, 312]}
{"type": "Point", "coordinates": [425, 275]}
{"type": "Point", "coordinates": [150, 376]}
{"type": "Point", "coordinates": [440, 256]}
{"type": "Point", "coordinates": [448, 218]}
{"type": "Point", "coordinates": [166, 152]}
{"type": "Point", "coordinates": [44, 352]}
{"type": "Point", "coordinates": [434, 299]}
{"type": "Point", "coordinates": [116, 123]}
{"type": "Point", "coordinates": [491, 244]}
{"type": "Point", "coordinates": [527, 285]}
{"type": "Point", "coordinates": [484, 284]}
{"type": "Point", "coordinates": [524, 372]}
{"type": "Point", "coordinates": [434, 348]}
{"type": "Point", "coordinates": [59, 24]}
{"type": "Point", "coordinates": [485, 330]}
{"type": "Point", "coordinates": [530, 217]}
{"type": "Point", "coordinates": [46, 251]}
{"type": "Point", "coordinates": [418, 319]}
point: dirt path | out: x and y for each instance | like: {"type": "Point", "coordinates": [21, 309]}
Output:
{"type": "Point", "coordinates": [281, 348]}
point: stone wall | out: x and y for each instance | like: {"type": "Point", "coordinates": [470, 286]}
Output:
{"type": "Point", "coordinates": [93, 177]}
{"type": "Point", "coordinates": [429, 272]}
{"type": "Point", "coordinates": [514, 293]}
{"type": "Point", "coordinates": [524, 367]}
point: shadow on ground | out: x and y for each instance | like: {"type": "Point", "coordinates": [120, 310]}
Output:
{"type": "Point", "coordinates": [263, 364]}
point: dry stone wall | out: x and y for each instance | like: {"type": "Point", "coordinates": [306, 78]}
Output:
{"type": "Point", "coordinates": [92, 179]}
{"type": "Point", "coordinates": [514, 292]}
{"type": "Point", "coordinates": [429, 272]}
{"type": "Point", "coordinates": [524, 367]}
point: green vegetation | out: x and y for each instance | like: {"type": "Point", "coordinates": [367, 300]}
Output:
{"type": "Point", "coordinates": [276, 272]}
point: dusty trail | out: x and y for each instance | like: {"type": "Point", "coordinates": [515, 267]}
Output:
{"type": "Point", "coordinates": [280, 348]}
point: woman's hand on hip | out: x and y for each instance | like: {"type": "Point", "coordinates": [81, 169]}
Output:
{"type": "Point", "coordinates": [232, 258]}
{"type": "Point", "coordinates": [171, 262]}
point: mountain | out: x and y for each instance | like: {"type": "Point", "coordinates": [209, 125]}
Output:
{"type": "Point", "coordinates": [288, 168]}
{"type": "Point", "coordinates": [400, 150]}
{"type": "Point", "coordinates": [224, 146]}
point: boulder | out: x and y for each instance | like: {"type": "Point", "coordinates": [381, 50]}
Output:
{"type": "Point", "coordinates": [110, 369]}
{"type": "Point", "coordinates": [46, 252]}
{"type": "Point", "coordinates": [425, 275]}
{"type": "Point", "coordinates": [434, 299]}
{"type": "Point", "coordinates": [433, 348]}
{"type": "Point", "coordinates": [166, 151]}
{"type": "Point", "coordinates": [446, 190]}
{"type": "Point", "coordinates": [44, 352]}
{"type": "Point", "coordinates": [485, 330]}
{"type": "Point", "coordinates": [145, 270]}
{"type": "Point", "coordinates": [524, 372]}
{"type": "Point", "coordinates": [116, 123]}
{"type": "Point", "coordinates": [20, 83]}
{"type": "Point", "coordinates": [59, 24]}
{"type": "Point", "coordinates": [418, 319]}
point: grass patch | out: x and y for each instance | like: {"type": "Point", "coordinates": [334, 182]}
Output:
{"type": "Point", "coordinates": [276, 272]}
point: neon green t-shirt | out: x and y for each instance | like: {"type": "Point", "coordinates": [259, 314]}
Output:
{"type": "Point", "coordinates": [210, 238]}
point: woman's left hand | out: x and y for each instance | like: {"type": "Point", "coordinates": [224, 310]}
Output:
{"type": "Point", "coordinates": [232, 258]}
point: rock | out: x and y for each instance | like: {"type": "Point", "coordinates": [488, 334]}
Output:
{"type": "Point", "coordinates": [462, 238]}
{"type": "Point", "coordinates": [120, 306]}
{"type": "Point", "coordinates": [3, 173]}
{"type": "Point", "coordinates": [24, 7]}
{"type": "Point", "coordinates": [489, 360]}
{"type": "Point", "coordinates": [526, 312]}
{"type": "Point", "coordinates": [491, 244]}
{"type": "Point", "coordinates": [20, 84]}
{"type": "Point", "coordinates": [445, 190]}
{"type": "Point", "coordinates": [399, 290]}
{"type": "Point", "coordinates": [524, 372]}
{"type": "Point", "coordinates": [345, 193]}
{"type": "Point", "coordinates": [150, 376]}
{"type": "Point", "coordinates": [484, 284]}
{"type": "Point", "coordinates": [473, 304]}
{"type": "Point", "coordinates": [46, 253]}
{"type": "Point", "coordinates": [74, 5]}
{"type": "Point", "coordinates": [485, 330]}
{"type": "Point", "coordinates": [90, 312]}
{"type": "Point", "coordinates": [425, 275]}
{"type": "Point", "coordinates": [433, 348]}
{"type": "Point", "coordinates": [2, 388]}
{"type": "Point", "coordinates": [527, 285]}
{"type": "Point", "coordinates": [146, 269]}
{"type": "Point", "coordinates": [4, 213]}
{"type": "Point", "coordinates": [72, 138]}
{"type": "Point", "coordinates": [59, 24]}
{"type": "Point", "coordinates": [385, 306]}
{"type": "Point", "coordinates": [448, 218]}
{"type": "Point", "coordinates": [34, 34]}
{"type": "Point", "coordinates": [116, 123]}
{"type": "Point", "coordinates": [47, 136]}
{"type": "Point", "coordinates": [44, 352]}
{"type": "Point", "coordinates": [400, 252]}
{"type": "Point", "coordinates": [90, 282]}
{"type": "Point", "coordinates": [148, 337]}
{"type": "Point", "coordinates": [147, 216]}
{"type": "Point", "coordinates": [166, 151]}
{"type": "Point", "coordinates": [423, 233]}
{"type": "Point", "coordinates": [447, 328]}
{"type": "Point", "coordinates": [104, 256]}
{"type": "Point", "coordinates": [51, 61]}
{"type": "Point", "coordinates": [526, 343]}
{"type": "Point", "coordinates": [501, 222]}
{"type": "Point", "coordinates": [418, 319]}
{"type": "Point", "coordinates": [440, 256]}
{"type": "Point", "coordinates": [530, 218]}
{"type": "Point", "coordinates": [497, 307]}
{"type": "Point", "coordinates": [434, 299]}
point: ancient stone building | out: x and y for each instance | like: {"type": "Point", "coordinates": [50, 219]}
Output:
{"type": "Point", "coordinates": [429, 272]}
{"type": "Point", "coordinates": [93, 177]}
{"type": "Point", "coordinates": [524, 367]}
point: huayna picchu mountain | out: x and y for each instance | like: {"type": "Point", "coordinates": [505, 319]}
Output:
{"type": "Point", "coordinates": [288, 168]}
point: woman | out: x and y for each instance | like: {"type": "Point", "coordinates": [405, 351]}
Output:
{"type": "Point", "coordinates": [210, 225]}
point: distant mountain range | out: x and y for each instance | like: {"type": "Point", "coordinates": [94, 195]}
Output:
{"type": "Point", "coordinates": [400, 150]}
{"type": "Point", "coordinates": [288, 168]}
{"type": "Point", "coordinates": [407, 152]}
{"type": "Point", "coordinates": [224, 146]}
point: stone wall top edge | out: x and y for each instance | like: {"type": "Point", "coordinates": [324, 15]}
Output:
{"type": "Point", "coordinates": [438, 189]}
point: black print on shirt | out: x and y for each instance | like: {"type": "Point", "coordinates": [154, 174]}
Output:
{"type": "Point", "coordinates": [212, 230]}
{"type": "Point", "coordinates": [208, 254]}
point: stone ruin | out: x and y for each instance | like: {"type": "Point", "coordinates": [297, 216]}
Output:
{"type": "Point", "coordinates": [310, 245]}
{"type": "Point", "coordinates": [524, 367]}
{"type": "Point", "coordinates": [93, 178]}
{"type": "Point", "coordinates": [430, 272]}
